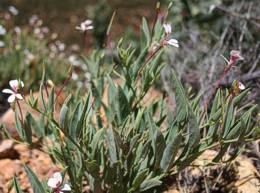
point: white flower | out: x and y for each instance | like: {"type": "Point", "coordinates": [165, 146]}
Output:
{"type": "Point", "coordinates": [13, 10]}
{"type": "Point", "coordinates": [56, 183]}
{"type": "Point", "coordinates": [2, 44]}
{"type": "Point", "coordinates": [2, 30]}
{"type": "Point", "coordinates": [167, 28]}
{"type": "Point", "coordinates": [17, 30]}
{"type": "Point", "coordinates": [14, 84]}
{"type": "Point", "coordinates": [241, 86]}
{"type": "Point", "coordinates": [74, 76]}
{"type": "Point", "coordinates": [86, 25]}
{"type": "Point", "coordinates": [172, 42]}
{"type": "Point", "coordinates": [212, 8]}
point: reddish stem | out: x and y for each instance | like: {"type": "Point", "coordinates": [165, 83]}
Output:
{"type": "Point", "coordinates": [150, 57]}
{"type": "Point", "coordinates": [63, 86]}
{"type": "Point", "coordinates": [217, 83]}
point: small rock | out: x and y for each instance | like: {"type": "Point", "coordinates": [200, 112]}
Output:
{"type": "Point", "coordinates": [9, 168]}
{"type": "Point", "coordinates": [7, 150]}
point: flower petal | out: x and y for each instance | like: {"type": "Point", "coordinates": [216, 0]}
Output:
{"type": "Point", "coordinates": [241, 86]}
{"type": "Point", "coordinates": [88, 22]}
{"type": "Point", "coordinates": [11, 98]}
{"type": "Point", "coordinates": [19, 96]}
{"type": "Point", "coordinates": [21, 84]}
{"type": "Point", "coordinates": [58, 177]}
{"type": "Point", "coordinates": [167, 28]}
{"type": "Point", "coordinates": [14, 83]}
{"type": "Point", "coordinates": [52, 182]}
{"type": "Point", "coordinates": [89, 27]}
{"type": "Point", "coordinates": [66, 187]}
{"type": "Point", "coordinates": [9, 91]}
{"type": "Point", "coordinates": [173, 42]}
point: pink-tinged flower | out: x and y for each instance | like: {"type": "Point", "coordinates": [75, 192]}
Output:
{"type": "Point", "coordinates": [241, 86]}
{"type": "Point", "coordinates": [171, 42]}
{"type": "Point", "coordinates": [235, 56]}
{"type": "Point", "coordinates": [15, 86]}
{"type": "Point", "coordinates": [166, 41]}
{"type": "Point", "coordinates": [55, 182]}
{"type": "Point", "coordinates": [167, 28]}
{"type": "Point", "coordinates": [86, 25]}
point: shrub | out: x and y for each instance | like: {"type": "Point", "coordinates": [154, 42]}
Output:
{"type": "Point", "coordinates": [121, 143]}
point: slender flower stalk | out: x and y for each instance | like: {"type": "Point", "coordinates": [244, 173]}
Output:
{"type": "Point", "coordinates": [235, 56]}
{"type": "Point", "coordinates": [84, 27]}
{"type": "Point", "coordinates": [66, 81]}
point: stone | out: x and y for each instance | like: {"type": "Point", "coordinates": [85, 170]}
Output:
{"type": "Point", "coordinates": [7, 150]}
{"type": "Point", "coordinates": [9, 168]}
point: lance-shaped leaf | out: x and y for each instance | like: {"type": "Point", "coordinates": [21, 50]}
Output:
{"type": "Point", "coordinates": [185, 112]}
{"type": "Point", "coordinates": [34, 181]}
{"type": "Point", "coordinates": [158, 142]}
{"type": "Point", "coordinates": [182, 103]}
{"type": "Point", "coordinates": [170, 152]}
{"type": "Point", "coordinates": [16, 186]}
{"type": "Point", "coordinates": [111, 146]}
{"type": "Point", "coordinates": [138, 180]}
{"type": "Point", "coordinates": [145, 35]}
{"type": "Point", "coordinates": [121, 105]}
{"type": "Point", "coordinates": [148, 184]}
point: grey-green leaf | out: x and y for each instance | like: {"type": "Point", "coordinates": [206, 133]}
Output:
{"type": "Point", "coordinates": [34, 181]}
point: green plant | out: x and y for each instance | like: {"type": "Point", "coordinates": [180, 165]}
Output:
{"type": "Point", "coordinates": [24, 56]}
{"type": "Point", "coordinates": [121, 144]}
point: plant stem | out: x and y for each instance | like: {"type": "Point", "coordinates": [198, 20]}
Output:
{"type": "Point", "coordinates": [63, 85]}
{"type": "Point", "coordinates": [20, 110]}
{"type": "Point", "coordinates": [149, 58]}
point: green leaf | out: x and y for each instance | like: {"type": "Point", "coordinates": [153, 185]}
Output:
{"type": "Point", "coordinates": [238, 98]}
{"type": "Point", "coordinates": [138, 63]}
{"type": "Point", "coordinates": [19, 127]}
{"type": "Point", "coordinates": [140, 177]}
{"type": "Point", "coordinates": [158, 142]}
{"type": "Point", "coordinates": [170, 152]}
{"type": "Point", "coordinates": [148, 184]}
{"type": "Point", "coordinates": [16, 186]}
{"type": "Point", "coordinates": [185, 112]}
{"type": "Point", "coordinates": [181, 100]}
{"type": "Point", "coordinates": [193, 129]}
{"type": "Point", "coordinates": [81, 117]}
{"type": "Point", "coordinates": [75, 118]}
{"type": "Point", "coordinates": [111, 146]}
{"type": "Point", "coordinates": [93, 168]}
{"type": "Point", "coordinates": [34, 181]}
{"type": "Point", "coordinates": [121, 106]}
{"type": "Point", "coordinates": [229, 119]}
{"type": "Point", "coordinates": [97, 140]}
{"type": "Point", "coordinates": [42, 97]}
{"type": "Point", "coordinates": [51, 101]}
{"type": "Point", "coordinates": [63, 117]}
{"type": "Point", "coordinates": [145, 35]}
